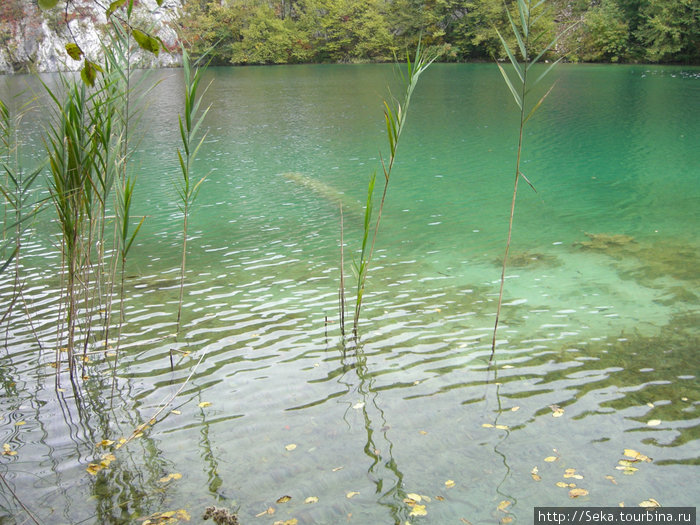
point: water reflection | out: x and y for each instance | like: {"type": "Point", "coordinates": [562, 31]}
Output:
{"type": "Point", "coordinates": [383, 470]}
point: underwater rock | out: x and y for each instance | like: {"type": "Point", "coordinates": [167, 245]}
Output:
{"type": "Point", "coordinates": [220, 516]}
{"type": "Point", "coordinates": [329, 193]}
{"type": "Point", "coordinates": [605, 241]}
{"type": "Point", "coordinates": [527, 259]}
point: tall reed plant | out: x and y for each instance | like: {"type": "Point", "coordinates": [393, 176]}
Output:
{"type": "Point", "coordinates": [520, 83]}
{"type": "Point", "coordinates": [395, 112]}
{"type": "Point", "coordinates": [187, 187]}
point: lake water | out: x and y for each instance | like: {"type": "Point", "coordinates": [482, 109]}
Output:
{"type": "Point", "coordinates": [598, 343]}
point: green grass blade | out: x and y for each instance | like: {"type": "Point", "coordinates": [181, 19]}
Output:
{"type": "Point", "coordinates": [516, 96]}
{"type": "Point", "coordinates": [518, 68]}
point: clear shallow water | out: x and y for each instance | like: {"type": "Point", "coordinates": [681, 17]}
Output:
{"type": "Point", "coordinates": [606, 331]}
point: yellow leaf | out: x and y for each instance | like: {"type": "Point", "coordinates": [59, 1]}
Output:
{"type": "Point", "coordinates": [651, 502]}
{"type": "Point", "coordinates": [558, 412]}
{"type": "Point", "coordinates": [562, 484]}
{"type": "Point", "coordinates": [290, 447]}
{"type": "Point", "coordinates": [183, 515]}
{"type": "Point", "coordinates": [336, 469]}
{"type": "Point", "coordinates": [515, 409]}
{"type": "Point", "coordinates": [167, 478]}
{"type": "Point", "coordinates": [311, 499]}
{"type": "Point", "coordinates": [449, 483]}
{"type": "Point", "coordinates": [93, 469]}
{"type": "Point", "coordinates": [351, 494]}
{"type": "Point", "coordinates": [426, 498]}
{"type": "Point", "coordinates": [502, 427]}
{"type": "Point", "coordinates": [176, 412]}
{"type": "Point", "coordinates": [612, 479]}
{"type": "Point", "coordinates": [536, 477]}
{"type": "Point", "coordinates": [575, 493]}
{"type": "Point", "coordinates": [503, 505]}
{"type": "Point", "coordinates": [204, 404]}
{"type": "Point", "coordinates": [487, 425]}
{"type": "Point", "coordinates": [418, 510]}
{"type": "Point", "coordinates": [415, 497]}
{"type": "Point", "coordinates": [506, 519]}
{"type": "Point", "coordinates": [550, 459]}
{"type": "Point", "coordinates": [627, 470]}
{"type": "Point", "coordinates": [654, 422]}
{"type": "Point", "coordinates": [284, 499]}
{"type": "Point", "coordinates": [422, 432]}
{"type": "Point", "coordinates": [637, 456]}
{"type": "Point", "coordinates": [7, 450]}
{"type": "Point", "coordinates": [20, 423]}
{"type": "Point", "coordinates": [105, 443]}
{"type": "Point", "coordinates": [293, 521]}
{"type": "Point", "coordinates": [439, 498]}
{"type": "Point", "coordinates": [465, 521]}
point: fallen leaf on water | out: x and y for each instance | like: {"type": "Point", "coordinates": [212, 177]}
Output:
{"type": "Point", "coordinates": [502, 427]}
{"type": "Point", "coordinates": [650, 405]}
{"type": "Point", "coordinates": [176, 412]}
{"type": "Point", "coordinates": [449, 483]}
{"type": "Point", "coordinates": [7, 450]}
{"type": "Point", "coordinates": [575, 493]}
{"type": "Point", "coordinates": [422, 432]}
{"type": "Point", "coordinates": [535, 474]}
{"type": "Point", "coordinates": [290, 447]}
{"type": "Point", "coordinates": [284, 499]}
{"type": "Point", "coordinates": [565, 485]}
{"type": "Point", "coordinates": [487, 425]}
{"type": "Point", "coordinates": [336, 469]}
{"type": "Point", "coordinates": [20, 423]}
{"type": "Point", "coordinates": [293, 521]}
{"type": "Point", "coordinates": [637, 456]}
{"type": "Point", "coordinates": [204, 404]}
{"type": "Point", "coordinates": [654, 422]}
{"type": "Point", "coordinates": [550, 459]}
{"type": "Point", "coordinates": [418, 510]}
{"type": "Point", "coordinates": [515, 409]}
{"type": "Point", "coordinates": [612, 479]}
{"type": "Point", "coordinates": [439, 498]}
{"type": "Point", "coordinates": [105, 443]}
{"type": "Point", "coordinates": [558, 412]}
{"type": "Point", "coordinates": [351, 494]}
{"type": "Point", "coordinates": [465, 521]}
{"type": "Point", "coordinates": [651, 502]}
{"type": "Point", "coordinates": [627, 470]}
{"type": "Point", "coordinates": [415, 497]}
{"type": "Point", "coordinates": [506, 519]}
{"type": "Point", "coordinates": [165, 479]}
{"type": "Point", "coordinates": [503, 505]}
{"type": "Point", "coordinates": [311, 499]}
{"type": "Point", "coordinates": [269, 510]}
{"type": "Point", "coordinates": [426, 498]}
{"type": "Point", "coordinates": [571, 473]}
{"type": "Point", "coordinates": [359, 405]}
{"type": "Point", "coordinates": [93, 469]}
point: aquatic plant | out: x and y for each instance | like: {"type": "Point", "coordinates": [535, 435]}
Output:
{"type": "Point", "coordinates": [187, 189]}
{"type": "Point", "coordinates": [521, 87]}
{"type": "Point", "coordinates": [395, 113]}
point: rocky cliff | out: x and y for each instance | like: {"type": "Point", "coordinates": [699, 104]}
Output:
{"type": "Point", "coordinates": [34, 40]}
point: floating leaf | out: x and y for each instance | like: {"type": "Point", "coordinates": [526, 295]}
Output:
{"type": "Point", "coordinates": [571, 473]}
{"type": "Point", "coordinates": [105, 443]}
{"type": "Point", "coordinates": [20, 423]}
{"type": "Point", "coordinates": [415, 497]}
{"type": "Point", "coordinates": [93, 469]}
{"type": "Point", "coordinates": [418, 510]}
{"type": "Point", "coordinates": [175, 475]}
{"type": "Point", "coordinates": [311, 499]}
{"type": "Point", "coordinates": [627, 470]}
{"type": "Point", "coordinates": [487, 425]}
{"type": "Point", "coordinates": [74, 51]}
{"type": "Point", "coordinates": [358, 405]}
{"type": "Point", "coordinates": [535, 474]}
{"type": "Point", "coordinates": [351, 494]}
{"type": "Point", "coordinates": [503, 505]}
{"type": "Point", "coordinates": [449, 483]}
{"type": "Point", "coordinates": [7, 450]}
{"type": "Point", "coordinates": [515, 409]}
{"type": "Point", "coordinates": [550, 459]}
{"type": "Point", "coordinates": [651, 503]}
{"type": "Point", "coordinates": [502, 427]}
{"type": "Point", "coordinates": [269, 511]}
{"type": "Point", "coordinates": [290, 447]}
{"type": "Point", "coordinates": [575, 493]}
{"type": "Point", "coordinates": [336, 469]}
{"type": "Point", "coordinates": [611, 479]}
{"type": "Point", "coordinates": [176, 412]}
{"type": "Point", "coordinates": [506, 519]}
{"type": "Point", "coordinates": [636, 456]}
{"type": "Point", "coordinates": [204, 404]}
{"type": "Point", "coordinates": [284, 499]}
{"type": "Point", "coordinates": [558, 412]}
{"type": "Point", "coordinates": [565, 485]}
{"type": "Point", "coordinates": [654, 422]}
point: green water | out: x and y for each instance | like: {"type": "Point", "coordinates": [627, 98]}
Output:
{"type": "Point", "coordinates": [603, 327]}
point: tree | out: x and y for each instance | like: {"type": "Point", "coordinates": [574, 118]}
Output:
{"type": "Point", "coordinates": [671, 30]}
{"type": "Point", "coordinates": [606, 33]}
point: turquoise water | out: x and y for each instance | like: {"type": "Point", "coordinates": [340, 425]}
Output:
{"type": "Point", "coordinates": [600, 317]}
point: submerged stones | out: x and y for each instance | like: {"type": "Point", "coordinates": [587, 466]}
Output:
{"type": "Point", "coordinates": [220, 516]}
{"type": "Point", "coordinates": [605, 241]}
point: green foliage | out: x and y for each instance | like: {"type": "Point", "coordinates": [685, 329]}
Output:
{"type": "Point", "coordinates": [606, 33]}
{"type": "Point", "coordinates": [671, 30]}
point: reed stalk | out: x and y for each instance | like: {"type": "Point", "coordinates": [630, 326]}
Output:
{"type": "Point", "coordinates": [187, 188]}
{"type": "Point", "coordinates": [395, 113]}
{"type": "Point", "coordinates": [521, 87]}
